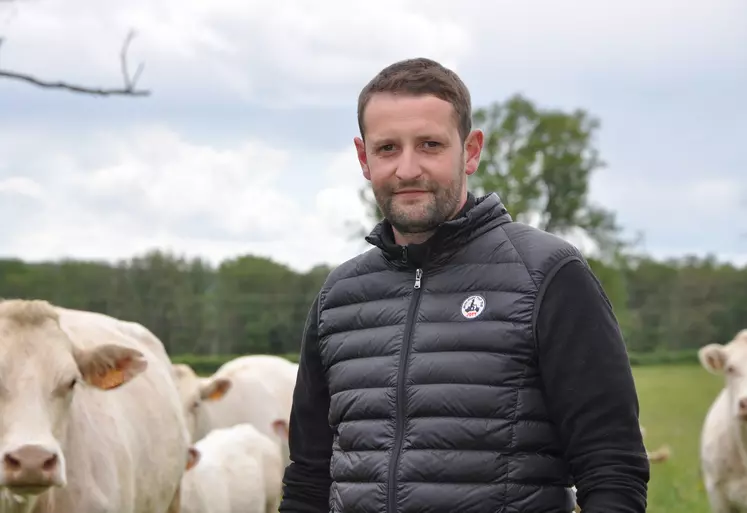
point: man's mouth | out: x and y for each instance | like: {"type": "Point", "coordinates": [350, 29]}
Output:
{"type": "Point", "coordinates": [410, 192]}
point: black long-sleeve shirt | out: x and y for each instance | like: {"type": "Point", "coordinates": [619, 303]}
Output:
{"type": "Point", "coordinates": [589, 390]}
{"type": "Point", "coordinates": [307, 479]}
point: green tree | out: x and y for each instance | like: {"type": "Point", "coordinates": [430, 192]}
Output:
{"type": "Point", "coordinates": [613, 282]}
{"type": "Point", "coordinates": [540, 162]}
{"type": "Point", "coordinates": [256, 300]}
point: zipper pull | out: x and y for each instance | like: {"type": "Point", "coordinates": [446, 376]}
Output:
{"type": "Point", "coordinates": [418, 276]}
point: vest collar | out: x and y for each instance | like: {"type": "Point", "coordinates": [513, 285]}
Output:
{"type": "Point", "coordinates": [478, 215]}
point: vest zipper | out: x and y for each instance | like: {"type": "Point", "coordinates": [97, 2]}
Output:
{"type": "Point", "coordinates": [401, 374]}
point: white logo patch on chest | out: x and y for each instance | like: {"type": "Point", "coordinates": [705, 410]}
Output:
{"type": "Point", "coordinates": [473, 306]}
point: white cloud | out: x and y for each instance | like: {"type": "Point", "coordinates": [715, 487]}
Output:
{"type": "Point", "coordinates": [705, 200]}
{"type": "Point", "coordinates": [690, 216]}
{"type": "Point", "coordinates": [18, 185]}
{"type": "Point", "coordinates": [311, 50]}
{"type": "Point", "coordinates": [167, 177]}
{"type": "Point", "coordinates": [340, 199]}
{"type": "Point", "coordinates": [299, 52]}
{"type": "Point", "coordinates": [153, 188]}
{"type": "Point", "coordinates": [635, 34]}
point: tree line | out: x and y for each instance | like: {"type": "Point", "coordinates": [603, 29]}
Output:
{"type": "Point", "coordinates": [245, 305]}
{"type": "Point", "coordinates": [252, 304]}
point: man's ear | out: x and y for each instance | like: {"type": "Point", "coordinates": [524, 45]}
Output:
{"type": "Point", "coordinates": [472, 151]}
{"type": "Point", "coordinates": [109, 366]}
{"type": "Point", "coordinates": [214, 389]}
{"type": "Point", "coordinates": [360, 150]}
{"type": "Point", "coordinates": [713, 358]}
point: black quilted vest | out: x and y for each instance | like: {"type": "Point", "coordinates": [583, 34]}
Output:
{"type": "Point", "coordinates": [436, 399]}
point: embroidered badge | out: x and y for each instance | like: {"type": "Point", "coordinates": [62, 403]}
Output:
{"type": "Point", "coordinates": [473, 306]}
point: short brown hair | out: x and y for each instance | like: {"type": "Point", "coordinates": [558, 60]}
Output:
{"type": "Point", "coordinates": [421, 76]}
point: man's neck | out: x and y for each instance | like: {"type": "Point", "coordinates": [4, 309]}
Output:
{"type": "Point", "coordinates": [403, 239]}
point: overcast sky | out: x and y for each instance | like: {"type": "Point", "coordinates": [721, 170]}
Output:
{"type": "Point", "coordinates": [245, 145]}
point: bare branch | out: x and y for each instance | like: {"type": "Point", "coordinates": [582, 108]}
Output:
{"type": "Point", "coordinates": [71, 87]}
{"type": "Point", "coordinates": [129, 81]}
{"type": "Point", "coordinates": [127, 90]}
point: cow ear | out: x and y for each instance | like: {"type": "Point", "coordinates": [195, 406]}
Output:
{"type": "Point", "coordinates": [713, 358]}
{"type": "Point", "coordinates": [193, 457]}
{"type": "Point", "coordinates": [109, 366]}
{"type": "Point", "coordinates": [280, 428]}
{"type": "Point", "coordinates": [214, 389]}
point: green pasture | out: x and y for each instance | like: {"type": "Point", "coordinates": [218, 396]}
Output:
{"type": "Point", "coordinates": [674, 401]}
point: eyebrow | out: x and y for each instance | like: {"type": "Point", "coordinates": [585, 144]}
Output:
{"type": "Point", "coordinates": [426, 137]}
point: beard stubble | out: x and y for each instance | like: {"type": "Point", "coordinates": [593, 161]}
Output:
{"type": "Point", "coordinates": [439, 204]}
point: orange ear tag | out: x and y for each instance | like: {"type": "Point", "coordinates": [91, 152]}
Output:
{"type": "Point", "coordinates": [216, 394]}
{"type": "Point", "coordinates": [112, 378]}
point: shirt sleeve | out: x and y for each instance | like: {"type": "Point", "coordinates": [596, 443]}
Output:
{"type": "Point", "coordinates": [591, 393]}
{"type": "Point", "coordinates": [307, 478]}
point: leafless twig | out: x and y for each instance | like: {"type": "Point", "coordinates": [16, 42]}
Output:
{"type": "Point", "coordinates": [129, 82]}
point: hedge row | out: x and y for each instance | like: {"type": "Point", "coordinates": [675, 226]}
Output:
{"type": "Point", "coordinates": [207, 364]}
{"type": "Point", "coordinates": [681, 357]}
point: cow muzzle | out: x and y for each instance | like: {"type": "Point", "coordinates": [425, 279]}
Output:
{"type": "Point", "coordinates": [31, 469]}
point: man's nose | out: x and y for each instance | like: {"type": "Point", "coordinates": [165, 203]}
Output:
{"type": "Point", "coordinates": [408, 166]}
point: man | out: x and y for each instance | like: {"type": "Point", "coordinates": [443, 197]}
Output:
{"type": "Point", "coordinates": [466, 363]}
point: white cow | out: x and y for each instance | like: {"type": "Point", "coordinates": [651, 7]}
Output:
{"type": "Point", "coordinates": [278, 372]}
{"type": "Point", "coordinates": [724, 434]}
{"type": "Point", "coordinates": [257, 389]}
{"type": "Point", "coordinates": [233, 470]}
{"type": "Point", "coordinates": [90, 418]}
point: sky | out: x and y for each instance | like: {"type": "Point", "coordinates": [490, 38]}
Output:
{"type": "Point", "coordinates": [245, 144]}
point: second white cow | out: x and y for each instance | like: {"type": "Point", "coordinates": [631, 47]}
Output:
{"type": "Point", "coordinates": [255, 389]}
{"type": "Point", "coordinates": [723, 443]}
{"type": "Point", "coordinates": [277, 372]}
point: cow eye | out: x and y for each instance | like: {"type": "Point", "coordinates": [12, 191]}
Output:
{"type": "Point", "coordinates": [65, 387]}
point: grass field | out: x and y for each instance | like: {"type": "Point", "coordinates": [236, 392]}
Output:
{"type": "Point", "coordinates": [674, 401]}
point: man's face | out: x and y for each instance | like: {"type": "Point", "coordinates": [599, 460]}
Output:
{"type": "Point", "coordinates": [415, 160]}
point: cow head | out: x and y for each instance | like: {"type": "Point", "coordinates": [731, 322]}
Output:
{"type": "Point", "coordinates": [730, 361]}
{"type": "Point", "coordinates": [41, 372]}
{"type": "Point", "coordinates": [195, 392]}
